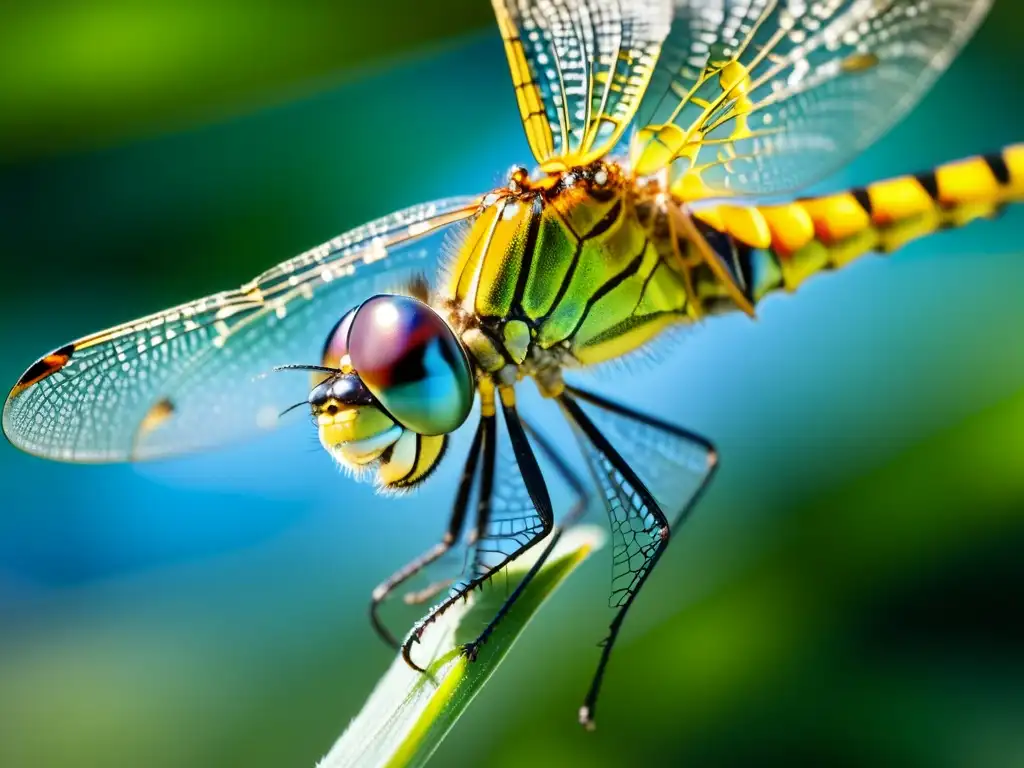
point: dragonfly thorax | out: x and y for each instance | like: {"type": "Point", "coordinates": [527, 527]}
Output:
{"type": "Point", "coordinates": [560, 272]}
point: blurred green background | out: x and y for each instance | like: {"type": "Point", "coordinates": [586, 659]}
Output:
{"type": "Point", "coordinates": [849, 594]}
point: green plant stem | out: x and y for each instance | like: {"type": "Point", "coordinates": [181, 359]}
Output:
{"type": "Point", "coordinates": [409, 713]}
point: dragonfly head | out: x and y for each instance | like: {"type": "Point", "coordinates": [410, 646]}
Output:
{"type": "Point", "coordinates": [404, 383]}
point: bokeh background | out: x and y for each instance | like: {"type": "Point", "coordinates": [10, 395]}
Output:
{"type": "Point", "coordinates": [849, 594]}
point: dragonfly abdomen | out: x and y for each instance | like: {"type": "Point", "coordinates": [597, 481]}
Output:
{"type": "Point", "coordinates": [777, 247]}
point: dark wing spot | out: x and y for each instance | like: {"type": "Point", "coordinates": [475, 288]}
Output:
{"type": "Point", "coordinates": [43, 369]}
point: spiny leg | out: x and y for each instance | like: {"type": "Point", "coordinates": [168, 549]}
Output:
{"type": "Point", "coordinates": [486, 496]}
{"type": "Point", "coordinates": [576, 511]}
{"type": "Point", "coordinates": [534, 481]}
{"type": "Point", "coordinates": [455, 524]}
{"type": "Point", "coordinates": [638, 522]}
{"type": "Point", "coordinates": [650, 554]}
{"type": "Point", "coordinates": [488, 436]}
{"type": "Point", "coordinates": [568, 474]}
{"type": "Point", "coordinates": [520, 512]}
{"type": "Point", "coordinates": [429, 592]}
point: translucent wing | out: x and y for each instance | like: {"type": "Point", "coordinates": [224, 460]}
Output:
{"type": "Point", "coordinates": [663, 470]}
{"type": "Point", "coordinates": [579, 68]}
{"type": "Point", "coordinates": [766, 96]}
{"type": "Point", "coordinates": [200, 374]}
{"type": "Point", "coordinates": [512, 521]}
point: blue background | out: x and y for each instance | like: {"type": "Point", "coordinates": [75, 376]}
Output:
{"type": "Point", "coordinates": [849, 593]}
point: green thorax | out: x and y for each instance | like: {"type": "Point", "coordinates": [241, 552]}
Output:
{"type": "Point", "coordinates": [573, 270]}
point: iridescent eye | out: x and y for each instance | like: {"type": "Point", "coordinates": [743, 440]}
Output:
{"type": "Point", "coordinates": [336, 346]}
{"type": "Point", "coordinates": [410, 360]}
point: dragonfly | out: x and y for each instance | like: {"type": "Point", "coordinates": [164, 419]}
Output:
{"type": "Point", "coordinates": [670, 142]}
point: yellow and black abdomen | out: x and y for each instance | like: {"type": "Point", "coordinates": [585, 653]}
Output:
{"type": "Point", "coordinates": [778, 247]}
{"type": "Point", "coordinates": [573, 269]}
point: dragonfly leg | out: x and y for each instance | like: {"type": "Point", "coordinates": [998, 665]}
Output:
{"type": "Point", "coordinates": [537, 489]}
{"type": "Point", "coordinates": [685, 435]}
{"type": "Point", "coordinates": [632, 510]}
{"type": "Point", "coordinates": [427, 593]}
{"type": "Point", "coordinates": [455, 524]}
{"type": "Point", "coordinates": [576, 511]}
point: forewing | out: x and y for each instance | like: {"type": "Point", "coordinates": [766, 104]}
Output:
{"type": "Point", "coordinates": [201, 374]}
{"type": "Point", "coordinates": [756, 97]}
{"type": "Point", "coordinates": [579, 68]}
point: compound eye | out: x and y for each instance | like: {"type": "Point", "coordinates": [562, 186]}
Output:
{"type": "Point", "coordinates": [410, 360]}
{"type": "Point", "coordinates": [336, 346]}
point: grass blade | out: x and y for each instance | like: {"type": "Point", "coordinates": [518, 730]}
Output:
{"type": "Point", "coordinates": [409, 714]}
